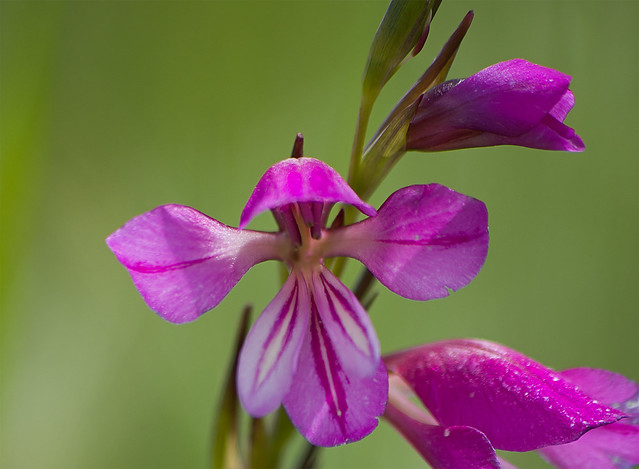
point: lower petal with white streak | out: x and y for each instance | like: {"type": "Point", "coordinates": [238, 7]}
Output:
{"type": "Point", "coordinates": [328, 405]}
{"type": "Point", "coordinates": [270, 353]}
{"type": "Point", "coordinates": [347, 324]}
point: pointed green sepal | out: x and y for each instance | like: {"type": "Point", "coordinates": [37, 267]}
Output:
{"type": "Point", "coordinates": [270, 439]}
{"type": "Point", "coordinates": [402, 30]}
{"type": "Point", "coordinates": [226, 451]}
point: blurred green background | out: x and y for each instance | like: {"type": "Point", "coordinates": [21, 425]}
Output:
{"type": "Point", "coordinates": [112, 108]}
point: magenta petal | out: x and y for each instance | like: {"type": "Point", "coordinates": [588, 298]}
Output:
{"type": "Point", "coordinates": [608, 447]}
{"type": "Point", "coordinates": [184, 263]}
{"type": "Point", "coordinates": [347, 323]}
{"type": "Point", "coordinates": [519, 404]}
{"type": "Point", "coordinates": [613, 446]}
{"type": "Point", "coordinates": [268, 358]}
{"type": "Point", "coordinates": [328, 406]}
{"type": "Point", "coordinates": [564, 105]}
{"type": "Point", "coordinates": [300, 180]}
{"type": "Point", "coordinates": [606, 386]}
{"type": "Point", "coordinates": [505, 464]}
{"type": "Point", "coordinates": [445, 447]}
{"type": "Point", "coordinates": [423, 241]}
{"type": "Point", "coordinates": [509, 103]}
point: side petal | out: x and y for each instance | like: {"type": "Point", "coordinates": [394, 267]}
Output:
{"type": "Point", "coordinates": [509, 103]}
{"type": "Point", "coordinates": [347, 324]}
{"type": "Point", "coordinates": [423, 241]}
{"type": "Point", "coordinates": [445, 447]}
{"type": "Point", "coordinates": [519, 404]}
{"type": "Point", "coordinates": [300, 180]}
{"type": "Point", "coordinates": [184, 263]}
{"type": "Point", "coordinates": [612, 446]}
{"type": "Point", "coordinates": [328, 406]}
{"type": "Point", "coordinates": [269, 355]}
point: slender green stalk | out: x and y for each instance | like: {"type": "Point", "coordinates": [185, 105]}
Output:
{"type": "Point", "coordinates": [225, 449]}
{"type": "Point", "coordinates": [364, 114]}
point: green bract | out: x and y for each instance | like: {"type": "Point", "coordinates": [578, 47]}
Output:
{"type": "Point", "coordinates": [404, 24]}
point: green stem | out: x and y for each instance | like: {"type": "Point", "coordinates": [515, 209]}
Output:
{"type": "Point", "coordinates": [363, 116]}
{"type": "Point", "coordinates": [225, 449]}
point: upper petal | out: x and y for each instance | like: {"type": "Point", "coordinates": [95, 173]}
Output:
{"type": "Point", "coordinates": [423, 241]}
{"type": "Point", "coordinates": [184, 263]}
{"type": "Point", "coordinates": [300, 180]}
{"type": "Point", "coordinates": [612, 446]}
{"type": "Point", "coordinates": [270, 352]}
{"type": "Point", "coordinates": [508, 103]}
{"type": "Point", "coordinates": [518, 403]}
{"type": "Point", "coordinates": [328, 405]}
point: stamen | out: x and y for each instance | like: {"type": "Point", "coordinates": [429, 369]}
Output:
{"type": "Point", "coordinates": [303, 222]}
{"type": "Point", "coordinates": [312, 214]}
{"type": "Point", "coordinates": [287, 221]}
{"type": "Point", "coordinates": [300, 212]}
{"type": "Point", "coordinates": [318, 219]}
{"type": "Point", "coordinates": [306, 210]}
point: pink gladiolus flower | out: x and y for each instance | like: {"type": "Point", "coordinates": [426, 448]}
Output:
{"type": "Point", "coordinates": [509, 103]}
{"type": "Point", "coordinates": [313, 348]}
{"type": "Point", "coordinates": [479, 395]}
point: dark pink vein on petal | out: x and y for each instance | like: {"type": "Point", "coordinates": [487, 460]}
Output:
{"type": "Point", "coordinates": [156, 269]}
{"type": "Point", "coordinates": [445, 241]}
{"type": "Point", "coordinates": [293, 298]}
{"type": "Point", "coordinates": [326, 364]}
{"type": "Point", "coordinates": [335, 293]}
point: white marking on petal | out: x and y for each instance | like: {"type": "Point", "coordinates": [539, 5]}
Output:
{"type": "Point", "coordinates": [270, 352]}
{"type": "Point", "coordinates": [353, 330]}
{"type": "Point", "coordinates": [275, 346]}
{"type": "Point", "coordinates": [347, 324]}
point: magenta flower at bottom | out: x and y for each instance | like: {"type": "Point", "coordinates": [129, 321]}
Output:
{"type": "Point", "coordinates": [510, 103]}
{"type": "Point", "coordinates": [313, 348]}
{"type": "Point", "coordinates": [478, 396]}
